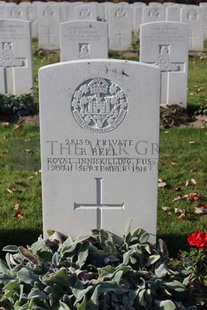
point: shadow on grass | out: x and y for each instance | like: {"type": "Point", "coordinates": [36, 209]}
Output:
{"type": "Point", "coordinates": [175, 243]}
{"type": "Point", "coordinates": [17, 237]}
{"type": "Point", "coordinates": [192, 109]}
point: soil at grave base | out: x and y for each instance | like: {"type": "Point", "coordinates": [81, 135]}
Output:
{"type": "Point", "coordinates": [174, 116]}
{"type": "Point", "coordinates": [33, 120]}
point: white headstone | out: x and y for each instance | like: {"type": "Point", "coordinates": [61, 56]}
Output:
{"type": "Point", "coordinates": [193, 15]}
{"type": "Point", "coordinates": [107, 5]}
{"type": "Point", "coordinates": [83, 40]}
{"type": "Point", "coordinates": [154, 4]}
{"type": "Point", "coordinates": [101, 12]}
{"type": "Point", "coordinates": [15, 11]}
{"type": "Point", "coordinates": [173, 13]}
{"type": "Point", "coordinates": [31, 14]}
{"type": "Point", "coordinates": [139, 4]}
{"type": "Point", "coordinates": [165, 44]}
{"type": "Point", "coordinates": [168, 4]}
{"type": "Point", "coordinates": [153, 13]}
{"type": "Point", "coordinates": [2, 10]}
{"type": "Point", "coordinates": [85, 12]}
{"type": "Point", "coordinates": [48, 26]}
{"type": "Point", "coordinates": [99, 145]}
{"type": "Point", "coordinates": [120, 19]}
{"type": "Point", "coordinates": [15, 57]}
{"type": "Point", "coordinates": [137, 19]}
{"type": "Point", "coordinates": [204, 9]}
{"type": "Point", "coordinates": [66, 11]}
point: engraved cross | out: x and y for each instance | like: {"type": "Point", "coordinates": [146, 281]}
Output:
{"type": "Point", "coordinates": [120, 35]}
{"type": "Point", "coordinates": [9, 61]}
{"type": "Point", "coordinates": [99, 205]}
{"type": "Point", "coordinates": [48, 34]}
{"type": "Point", "coordinates": [192, 38]}
{"type": "Point", "coordinates": [166, 66]}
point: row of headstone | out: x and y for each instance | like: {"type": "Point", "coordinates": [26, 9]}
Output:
{"type": "Point", "coordinates": [83, 40]}
{"type": "Point", "coordinates": [99, 155]}
{"type": "Point", "coordinates": [16, 74]}
{"type": "Point", "coordinates": [165, 45]}
{"type": "Point", "coordinates": [122, 19]}
{"type": "Point", "coordinates": [99, 145]}
{"type": "Point", "coordinates": [162, 44]}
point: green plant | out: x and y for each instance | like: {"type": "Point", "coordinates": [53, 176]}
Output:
{"type": "Point", "coordinates": [202, 109]}
{"type": "Point", "coordinates": [97, 271]}
{"type": "Point", "coordinates": [135, 44]}
{"type": "Point", "coordinates": [21, 105]}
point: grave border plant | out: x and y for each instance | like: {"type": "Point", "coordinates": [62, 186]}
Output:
{"type": "Point", "coordinates": [17, 105]}
{"type": "Point", "coordinates": [97, 271]}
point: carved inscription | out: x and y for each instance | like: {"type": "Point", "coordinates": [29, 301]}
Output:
{"type": "Point", "coordinates": [120, 34]}
{"type": "Point", "coordinates": [13, 32]}
{"type": "Point", "coordinates": [85, 13]}
{"type": "Point", "coordinates": [166, 34]}
{"type": "Point", "coordinates": [154, 14]}
{"type": "Point", "coordinates": [120, 13]}
{"type": "Point", "coordinates": [16, 12]}
{"type": "Point", "coordinates": [79, 33]}
{"type": "Point", "coordinates": [193, 15]}
{"type": "Point", "coordinates": [48, 33]}
{"type": "Point", "coordinates": [99, 105]}
{"type": "Point", "coordinates": [48, 12]}
{"type": "Point", "coordinates": [84, 50]}
{"type": "Point", "coordinates": [99, 205]}
{"type": "Point", "coordinates": [79, 155]}
{"type": "Point", "coordinates": [164, 62]}
{"type": "Point", "coordinates": [7, 58]}
{"type": "Point", "coordinates": [192, 37]}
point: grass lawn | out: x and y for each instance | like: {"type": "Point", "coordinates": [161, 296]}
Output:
{"type": "Point", "coordinates": [182, 158]}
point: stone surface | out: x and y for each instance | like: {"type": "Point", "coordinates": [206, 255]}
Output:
{"type": "Point", "coordinates": [31, 14]}
{"type": "Point", "coordinates": [83, 39]}
{"type": "Point", "coordinates": [165, 44]}
{"type": "Point", "coordinates": [120, 19]}
{"type": "Point", "coordinates": [99, 145]}
{"type": "Point", "coordinates": [204, 9]}
{"type": "Point", "coordinates": [153, 13]}
{"type": "Point", "coordinates": [193, 15]}
{"type": "Point", "coordinates": [2, 10]}
{"type": "Point", "coordinates": [173, 13]}
{"type": "Point", "coordinates": [85, 12]}
{"type": "Point", "coordinates": [137, 19]}
{"type": "Point", "coordinates": [67, 11]}
{"type": "Point", "coordinates": [101, 12]}
{"type": "Point", "coordinates": [15, 57]}
{"type": "Point", "coordinates": [154, 4]}
{"type": "Point", "coordinates": [15, 11]}
{"type": "Point", "coordinates": [48, 26]}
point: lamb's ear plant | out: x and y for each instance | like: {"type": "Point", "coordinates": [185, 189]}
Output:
{"type": "Point", "coordinates": [97, 271]}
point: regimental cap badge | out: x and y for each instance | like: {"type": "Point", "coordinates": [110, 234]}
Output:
{"type": "Point", "coordinates": [98, 86]}
{"type": "Point", "coordinates": [99, 105]}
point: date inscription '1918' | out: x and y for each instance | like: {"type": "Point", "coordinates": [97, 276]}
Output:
{"type": "Point", "coordinates": [79, 155]}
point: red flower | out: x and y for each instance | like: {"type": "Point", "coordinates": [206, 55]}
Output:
{"type": "Point", "coordinates": [198, 239]}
